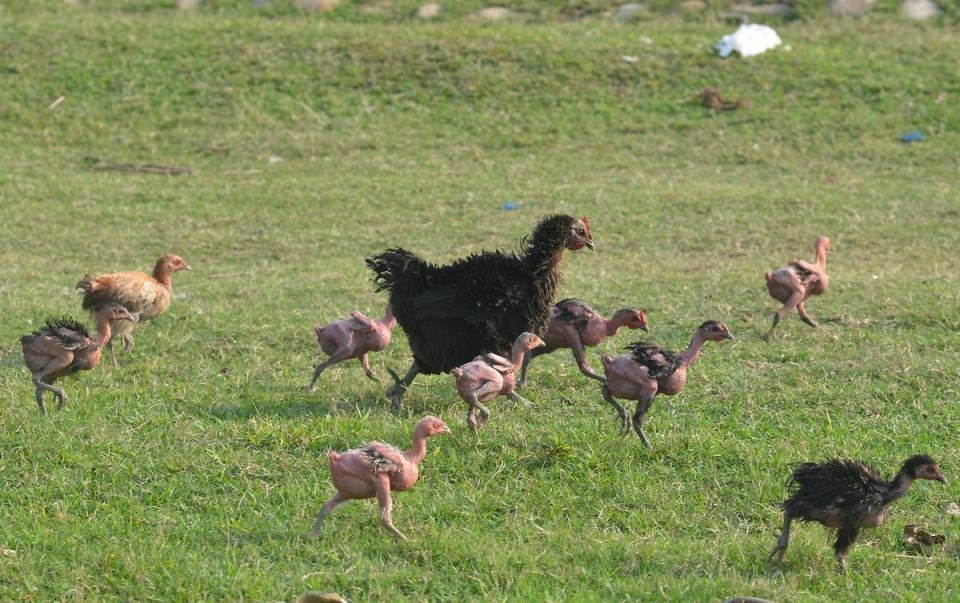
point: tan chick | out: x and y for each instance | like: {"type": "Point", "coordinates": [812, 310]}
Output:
{"type": "Point", "coordinates": [148, 296]}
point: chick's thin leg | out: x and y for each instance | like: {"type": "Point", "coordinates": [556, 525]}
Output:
{"type": "Point", "coordinates": [795, 299]}
{"type": "Point", "coordinates": [365, 363]}
{"type": "Point", "coordinates": [642, 407]}
{"type": "Point", "coordinates": [386, 505]}
{"type": "Point", "coordinates": [325, 510]}
{"type": "Point", "coordinates": [845, 539]}
{"type": "Point", "coordinates": [802, 310]}
{"type": "Point", "coordinates": [580, 355]}
{"type": "Point", "coordinates": [621, 411]}
{"type": "Point", "coordinates": [338, 356]}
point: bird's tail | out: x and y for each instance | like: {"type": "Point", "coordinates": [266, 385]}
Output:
{"type": "Point", "coordinates": [394, 266]}
{"type": "Point", "coordinates": [95, 295]}
{"type": "Point", "coordinates": [86, 283]}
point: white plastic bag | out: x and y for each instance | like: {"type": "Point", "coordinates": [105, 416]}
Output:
{"type": "Point", "coordinates": [748, 40]}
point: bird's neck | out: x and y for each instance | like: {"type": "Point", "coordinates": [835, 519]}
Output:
{"type": "Point", "coordinates": [517, 355]}
{"type": "Point", "coordinates": [389, 320]}
{"type": "Point", "coordinates": [691, 353]}
{"type": "Point", "coordinates": [102, 337]}
{"type": "Point", "coordinates": [612, 326]}
{"type": "Point", "coordinates": [418, 450]}
{"type": "Point", "coordinates": [164, 277]}
{"type": "Point", "coordinates": [898, 487]}
{"type": "Point", "coordinates": [821, 260]}
{"type": "Point", "coordinates": [544, 249]}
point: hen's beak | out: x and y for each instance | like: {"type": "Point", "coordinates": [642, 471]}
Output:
{"type": "Point", "coordinates": [590, 246]}
{"type": "Point", "coordinates": [729, 336]}
{"type": "Point", "coordinates": [942, 479]}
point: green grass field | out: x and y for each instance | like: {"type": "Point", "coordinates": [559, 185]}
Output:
{"type": "Point", "coordinates": [194, 469]}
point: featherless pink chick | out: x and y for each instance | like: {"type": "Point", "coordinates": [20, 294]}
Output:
{"type": "Point", "coordinates": [650, 370]}
{"type": "Point", "coordinates": [353, 337]}
{"type": "Point", "coordinates": [488, 376]}
{"type": "Point", "coordinates": [793, 284]}
{"type": "Point", "coordinates": [575, 325]}
{"type": "Point", "coordinates": [376, 470]}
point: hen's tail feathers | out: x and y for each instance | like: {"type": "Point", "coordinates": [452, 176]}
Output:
{"type": "Point", "coordinates": [393, 266]}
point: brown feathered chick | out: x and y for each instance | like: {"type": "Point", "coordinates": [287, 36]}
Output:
{"type": "Point", "coordinates": [64, 346]}
{"type": "Point", "coordinates": [146, 295]}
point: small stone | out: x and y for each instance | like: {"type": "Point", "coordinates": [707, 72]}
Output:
{"type": "Point", "coordinates": [431, 10]}
{"type": "Point", "coordinates": [850, 8]}
{"type": "Point", "coordinates": [690, 7]}
{"type": "Point", "coordinates": [919, 10]}
{"type": "Point", "coordinates": [495, 14]}
{"type": "Point", "coordinates": [764, 10]}
{"type": "Point", "coordinates": [629, 12]}
{"type": "Point", "coordinates": [325, 6]}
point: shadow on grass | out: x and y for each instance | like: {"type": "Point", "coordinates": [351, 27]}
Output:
{"type": "Point", "coordinates": [292, 402]}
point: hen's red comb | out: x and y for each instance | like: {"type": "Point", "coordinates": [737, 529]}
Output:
{"type": "Point", "coordinates": [586, 223]}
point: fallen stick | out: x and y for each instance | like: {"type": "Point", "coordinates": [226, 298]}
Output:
{"type": "Point", "coordinates": [144, 168]}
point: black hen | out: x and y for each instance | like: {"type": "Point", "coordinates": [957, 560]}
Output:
{"type": "Point", "coordinates": [477, 304]}
{"type": "Point", "coordinates": [847, 495]}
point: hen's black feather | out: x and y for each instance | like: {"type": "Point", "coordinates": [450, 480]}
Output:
{"type": "Point", "coordinates": [478, 304]}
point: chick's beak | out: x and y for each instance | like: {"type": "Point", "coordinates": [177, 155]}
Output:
{"type": "Point", "coordinates": [942, 479]}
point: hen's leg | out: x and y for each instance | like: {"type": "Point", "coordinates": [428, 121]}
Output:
{"type": "Point", "coordinates": [784, 539]}
{"type": "Point", "coordinates": [386, 505]}
{"type": "Point", "coordinates": [395, 392]}
{"type": "Point", "coordinates": [325, 510]}
{"type": "Point", "coordinates": [625, 422]}
{"type": "Point", "coordinates": [113, 355]}
{"type": "Point", "coordinates": [802, 310]}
